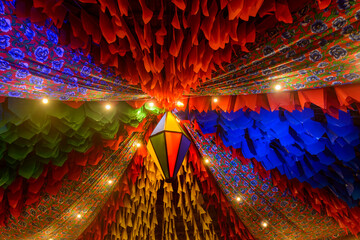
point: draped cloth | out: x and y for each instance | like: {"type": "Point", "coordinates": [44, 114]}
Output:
{"type": "Point", "coordinates": [319, 49]}
{"type": "Point", "coordinates": [171, 52]}
{"type": "Point", "coordinates": [308, 145]}
{"type": "Point", "coordinates": [56, 216]}
{"type": "Point", "coordinates": [260, 199]}
{"type": "Point", "coordinates": [34, 64]}
{"type": "Point", "coordinates": [50, 149]}
{"type": "Point", "coordinates": [290, 156]}
{"type": "Point", "coordinates": [133, 212]}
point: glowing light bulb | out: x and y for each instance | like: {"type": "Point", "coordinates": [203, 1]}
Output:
{"type": "Point", "coordinates": [264, 224]}
{"type": "Point", "coordinates": [238, 199]}
{"type": "Point", "coordinates": [277, 87]}
{"type": "Point", "coordinates": [138, 144]}
{"type": "Point", "coordinates": [78, 216]}
{"type": "Point", "coordinates": [207, 160]}
{"type": "Point", "coordinates": [107, 106]}
{"type": "Point", "coordinates": [179, 104]}
{"type": "Point", "coordinates": [45, 100]}
{"type": "Point", "coordinates": [151, 104]}
{"type": "Point", "coordinates": [110, 182]}
{"type": "Point", "coordinates": [215, 100]}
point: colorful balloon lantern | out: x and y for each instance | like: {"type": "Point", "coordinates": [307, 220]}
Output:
{"type": "Point", "coordinates": [168, 145]}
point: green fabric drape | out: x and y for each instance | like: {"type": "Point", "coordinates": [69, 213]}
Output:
{"type": "Point", "coordinates": [33, 134]}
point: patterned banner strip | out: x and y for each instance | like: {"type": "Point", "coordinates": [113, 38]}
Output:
{"type": "Point", "coordinates": [34, 64]}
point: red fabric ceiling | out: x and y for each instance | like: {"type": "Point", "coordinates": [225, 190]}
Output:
{"type": "Point", "coordinates": [166, 46]}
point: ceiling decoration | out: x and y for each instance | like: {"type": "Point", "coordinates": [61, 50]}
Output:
{"type": "Point", "coordinates": [319, 49]}
{"type": "Point", "coordinates": [43, 134]}
{"type": "Point", "coordinates": [70, 196]}
{"type": "Point", "coordinates": [261, 202]}
{"type": "Point", "coordinates": [322, 200]}
{"type": "Point", "coordinates": [67, 214]}
{"type": "Point", "coordinates": [308, 145]}
{"type": "Point", "coordinates": [33, 64]}
{"type": "Point", "coordinates": [102, 223]}
{"type": "Point", "coordinates": [40, 144]}
{"type": "Point", "coordinates": [36, 63]}
{"type": "Point", "coordinates": [262, 161]}
{"type": "Point", "coordinates": [169, 211]}
{"type": "Point", "coordinates": [165, 46]}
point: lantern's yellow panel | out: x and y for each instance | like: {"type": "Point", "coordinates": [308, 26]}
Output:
{"type": "Point", "coordinates": [171, 124]}
{"type": "Point", "coordinates": [151, 150]}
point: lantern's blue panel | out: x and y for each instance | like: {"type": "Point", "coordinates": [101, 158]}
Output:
{"type": "Point", "coordinates": [184, 147]}
{"type": "Point", "coordinates": [160, 126]}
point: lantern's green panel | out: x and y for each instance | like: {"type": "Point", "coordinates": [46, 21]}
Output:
{"type": "Point", "coordinates": [158, 142]}
{"type": "Point", "coordinates": [151, 150]}
{"type": "Point", "coordinates": [160, 126]}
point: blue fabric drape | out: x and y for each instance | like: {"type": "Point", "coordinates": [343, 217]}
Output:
{"type": "Point", "coordinates": [307, 145]}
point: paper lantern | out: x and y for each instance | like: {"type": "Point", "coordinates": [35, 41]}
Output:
{"type": "Point", "coordinates": [168, 145]}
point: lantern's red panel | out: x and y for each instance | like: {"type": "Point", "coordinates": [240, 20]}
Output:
{"type": "Point", "coordinates": [172, 146]}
